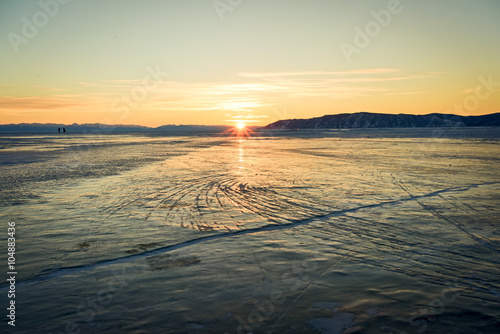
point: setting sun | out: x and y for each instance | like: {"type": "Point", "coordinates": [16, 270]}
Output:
{"type": "Point", "coordinates": [240, 130]}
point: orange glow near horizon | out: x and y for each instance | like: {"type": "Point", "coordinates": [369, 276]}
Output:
{"type": "Point", "coordinates": [206, 74]}
{"type": "Point", "coordinates": [291, 95]}
{"type": "Point", "coordinates": [240, 131]}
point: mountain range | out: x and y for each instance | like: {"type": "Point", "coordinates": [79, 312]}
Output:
{"type": "Point", "coordinates": [98, 128]}
{"type": "Point", "coordinates": [338, 121]}
{"type": "Point", "coordinates": [375, 120]}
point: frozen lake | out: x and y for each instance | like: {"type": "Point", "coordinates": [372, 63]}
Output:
{"type": "Point", "coordinates": [362, 231]}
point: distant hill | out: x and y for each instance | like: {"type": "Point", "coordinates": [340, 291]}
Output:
{"type": "Point", "coordinates": [104, 128]}
{"type": "Point", "coordinates": [192, 128]}
{"type": "Point", "coordinates": [374, 120]}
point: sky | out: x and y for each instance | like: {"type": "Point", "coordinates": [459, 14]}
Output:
{"type": "Point", "coordinates": [213, 62]}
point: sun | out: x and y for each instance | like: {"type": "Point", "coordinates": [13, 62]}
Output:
{"type": "Point", "coordinates": [240, 130]}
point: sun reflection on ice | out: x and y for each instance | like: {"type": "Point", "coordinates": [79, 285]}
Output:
{"type": "Point", "coordinates": [241, 153]}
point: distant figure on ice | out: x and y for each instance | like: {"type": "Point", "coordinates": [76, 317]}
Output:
{"type": "Point", "coordinates": [64, 130]}
{"type": "Point", "coordinates": [59, 130]}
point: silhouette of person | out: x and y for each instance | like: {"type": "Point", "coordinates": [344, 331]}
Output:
{"type": "Point", "coordinates": [64, 130]}
{"type": "Point", "coordinates": [59, 130]}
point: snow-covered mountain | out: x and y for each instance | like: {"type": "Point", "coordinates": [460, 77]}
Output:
{"type": "Point", "coordinates": [374, 120]}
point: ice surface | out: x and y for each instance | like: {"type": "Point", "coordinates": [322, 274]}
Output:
{"type": "Point", "coordinates": [324, 232]}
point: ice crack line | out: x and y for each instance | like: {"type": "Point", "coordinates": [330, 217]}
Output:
{"type": "Point", "coordinates": [63, 271]}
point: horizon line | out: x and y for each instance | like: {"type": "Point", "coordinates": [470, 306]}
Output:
{"type": "Point", "coordinates": [248, 126]}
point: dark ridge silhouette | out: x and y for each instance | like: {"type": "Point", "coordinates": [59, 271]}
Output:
{"type": "Point", "coordinates": [97, 128]}
{"type": "Point", "coordinates": [375, 120]}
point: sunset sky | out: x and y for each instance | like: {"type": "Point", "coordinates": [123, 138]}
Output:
{"type": "Point", "coordinates": [162, 62]}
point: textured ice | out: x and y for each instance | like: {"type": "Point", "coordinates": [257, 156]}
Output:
{"type": "Point", "coordinates": [215, 235]}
